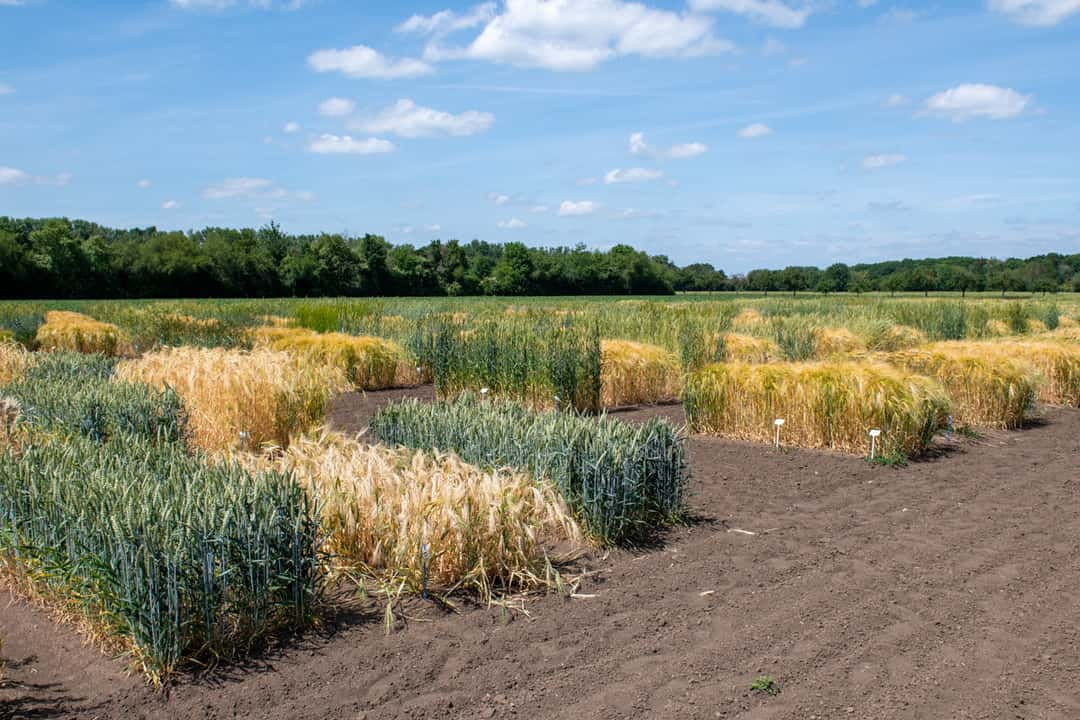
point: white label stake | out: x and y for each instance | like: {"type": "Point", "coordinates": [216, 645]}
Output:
{"type": "Point", "coordinates": [778, 422]}
{"type": "Point", "coordinates": [873, 441]}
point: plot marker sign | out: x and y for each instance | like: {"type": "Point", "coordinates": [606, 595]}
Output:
{"type": "Point", "coordinates": [779, 423]}
{"type": "Point", "coordinates": [874, 434]}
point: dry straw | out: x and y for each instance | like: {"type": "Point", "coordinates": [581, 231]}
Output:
{"type": "Point", "coordinates": [988, 388]}
{"type": "Point", "coordinates": [371, 363]}
{"type": "Point", "coordinates": [65, 330]}
{"type": "Point", "coordinates": [1057, 362]}
{"type": "Point", "coordinates": [831, 341]}
{"type": "Point", "coordinates": [237, 398]}
{"type": "Point", "coordinates": [13, 361]}
{"type": "Point", "coordinates": [750, 349]}
{"type": "Point", "coordinates": [484, 529]}
{"type": "Point", "coordinates": [632, 372]}
{"type": "Point", "coordinates": [824, 404]}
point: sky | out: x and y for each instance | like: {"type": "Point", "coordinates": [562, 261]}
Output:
{"type": "Point", "coordinates": [743, 133]}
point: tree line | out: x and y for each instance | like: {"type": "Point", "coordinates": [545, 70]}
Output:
{"type": "Point", "coordinates": [61, 258]}
{"type": "Point", "coordinates": [1043, 273]}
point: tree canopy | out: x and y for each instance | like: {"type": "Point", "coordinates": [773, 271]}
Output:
{"type": "Point", "coordinates": [61, 258]}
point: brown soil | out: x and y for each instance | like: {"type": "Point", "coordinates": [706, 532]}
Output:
{"type": "Point", "coordinates": [944, 589]}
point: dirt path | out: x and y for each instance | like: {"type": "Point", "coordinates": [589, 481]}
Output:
{"type": "Point", "coordinates": [949, 588]}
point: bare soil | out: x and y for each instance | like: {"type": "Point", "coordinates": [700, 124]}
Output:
{"type": "Point", "coordinates": [949, 588]}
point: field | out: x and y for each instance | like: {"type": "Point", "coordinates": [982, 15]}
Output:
{"type": "Point", "coordinates": [529, 519]}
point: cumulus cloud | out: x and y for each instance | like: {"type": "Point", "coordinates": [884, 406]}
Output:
{"type": "Point", "coordinates": [511, 224]}
{"type": "Point", "coordinates": [568, 35]}
{"type": "Point", "coordinates": [407, 119]}
{"type": "Point", "coordinates": [170, 205]}
{"type": "Point", "coordinates": [875, 162]}
{"type": "Point", "coordinates": [448, 21]}
{"type": "Point", "coordinates": [12, 176]}
{"type": "Point", "coordinates": [328, 144]}
{"type": "Point", "coordinates": [291, 127]}
{"type": "Point", "coordinates": [1036, 12]}
{"type": "Point", "coordinates": [636, 174]}
{"type": "Point", "coordinates": [638, 146]}
{"type": "Point", "coordinates": [360, 61]}
{"type": "Point", "coordinates": [498, 198]}
{"type": "Point", "coordinates": [336, 107]}
{"type": "Point", "coordinates": [770, 12]}
{"type": "Point", "coordinates": [755, 130]}
{"type": "Point", "coordinates": [965, 102]}
{"type": "Point", "coordinates": [570, 208]}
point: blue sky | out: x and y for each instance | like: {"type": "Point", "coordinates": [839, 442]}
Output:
{"type": "Point", "coordinates": [745, 133]}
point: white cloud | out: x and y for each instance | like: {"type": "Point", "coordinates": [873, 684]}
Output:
{"type": "Point", "coordinates": [498, 198]}
{"type": "Point", "coordinates": [638, 146]}
{"type": "Point", "coordinates": [6, 89]}
{"type": "Point", "coordinates": [771, 12]}
{"type": "Point", "coordinates": [686, 150]}
{"type": "Point", "coordinates": [636, 174]}
{"type": "Point", "coordinates": [360, 61]}
{"type": "Point", "coordinates": [346, 145]}
{"type": "Point", "coordinates": [14, 176]}
{"type": "Point", "coordinates": [448, 21]}
{"type": "Point", "coordinates": [755, 130]}
{"type": "Point", "coordinates": [291, 127]}
{"type": "Point", "coordinates": [236, 187]}
{"type": "Point", "coordinates": [568, 35]}
{"type": "Point", "coordinates": [170, 205]}
{"type": "Point", "coordinates": [144, 183]}
{"type": "Point", "coordinates": [1036, 12]}
{"type": "Point", "coordinates": [336, 107]}
{"type": "Point", "coordinates": [407, 119]}
{"type": "Point", "coordinates": [569, 208]}
{"type": "Point", "coordinates": [897, 100]}
{"type": "Point", "coordinates": [874, 162]}
{"type": "Point", "coordinates": [964, 102]}
{"type": "Point", "coordinates": [11, 176]}
{"type": "Point", "coordinates": [511, 224]}
{"type": "Point", "coordinates": [252, 188]}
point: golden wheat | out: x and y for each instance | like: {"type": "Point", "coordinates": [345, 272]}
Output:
{"type": "Point", "coordinates": [987, 388]}
{"type": "Point", "coordinates": [381, 507]}
{"type": "Point", "coordinates": [632, 372]}
{"type": "Point", "coordinates": [65, 330]}
{"type": "Point", "coordinates": [1058, 363]}
{"type": "Point", "coordinates": [371, 363]}
{"type": "Point", "coordinates": [824, 404]}
{"type": "Point", "coordinates": [237, 398]}
{"type": "Point", "coordinates": [13, 361]}
{"type": "Point", "coordinates": [830, 341]}
{"type": "Point", "coordinates": [750, 349]}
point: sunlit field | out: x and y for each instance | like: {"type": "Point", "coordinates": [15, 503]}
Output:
{"type": "Point", "coordinates": [168, 481]}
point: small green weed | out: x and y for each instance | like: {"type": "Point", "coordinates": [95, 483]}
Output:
{"type": "Point", "coordinates": [765, 684]}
